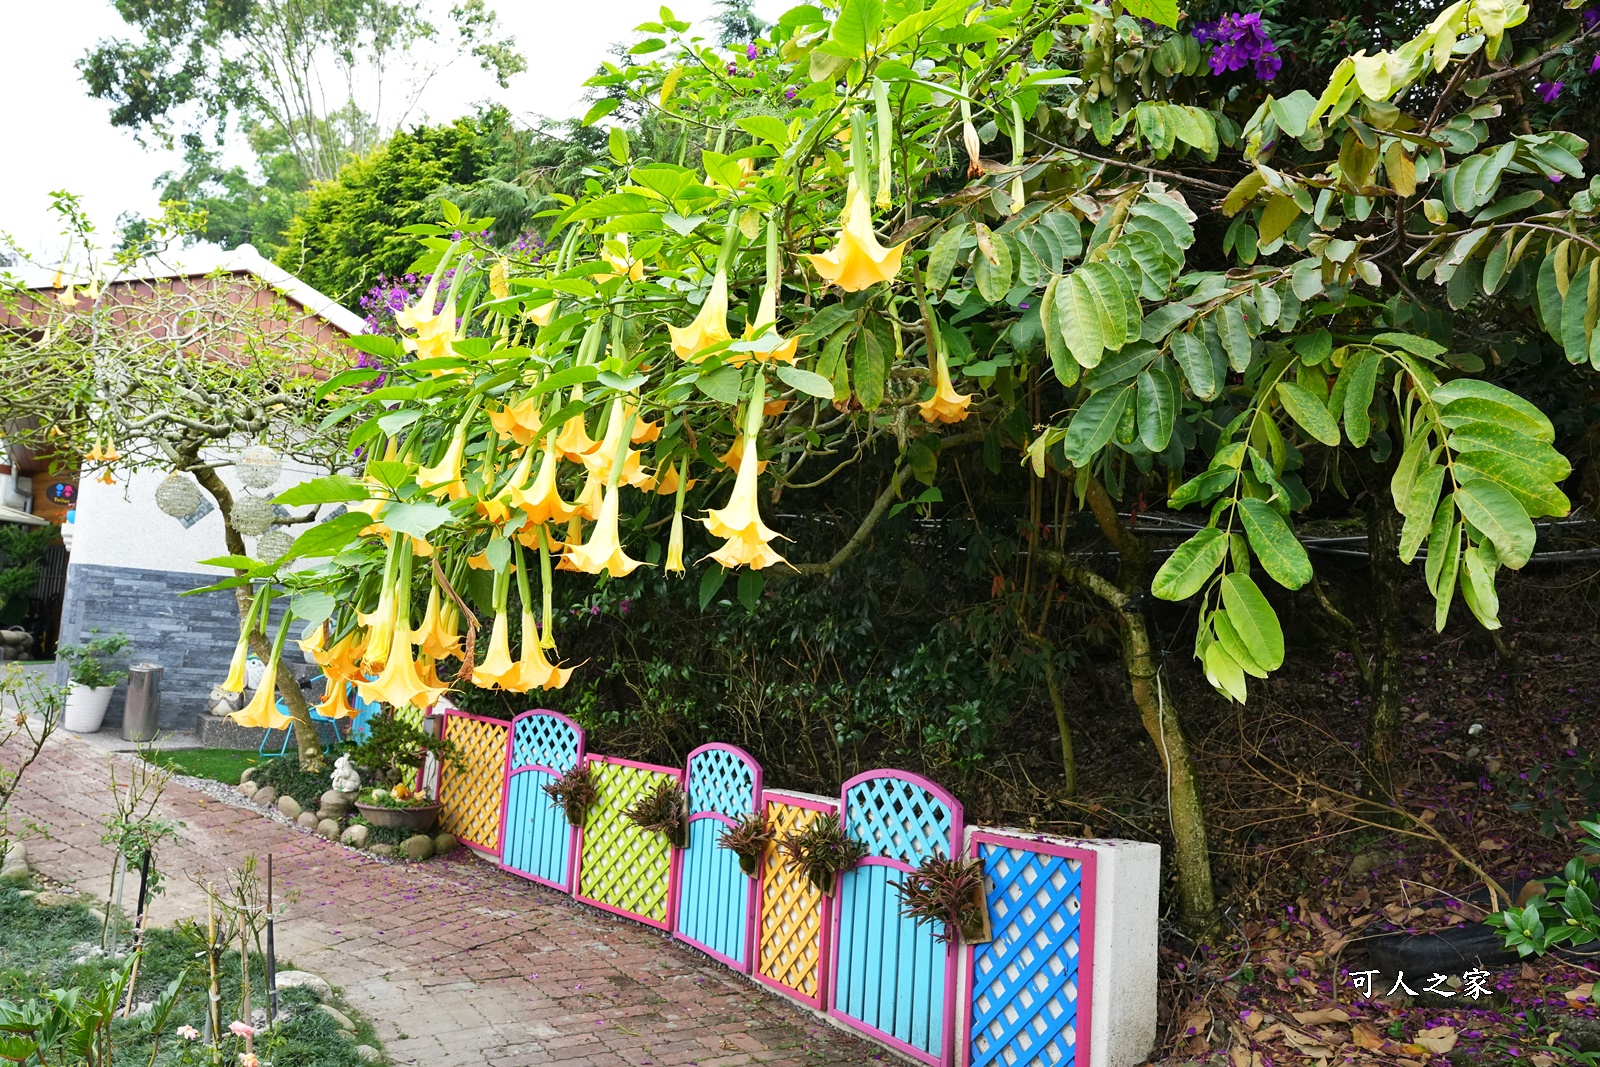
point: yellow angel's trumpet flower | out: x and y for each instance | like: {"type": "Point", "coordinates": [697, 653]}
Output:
{"type": "Point", "coordinates": [235, 682]}
{"type": "Point", "coordinates": [497, 666]}
{"type": "Point", "coordinates": [573, 440]}
{"type": "Point", "coordinates": [399, 684]}
{"type": "Point", "coordinates": [344, 657]}
{"type": "Point", "coordinates": [945, 405]}
{"type": "Point", "coordinates": [541, 501]}
{"type": "Point", "coordinates": [497, 509]}
{"type": "Point", "coordinates": [380, 623]}
{"type": "Point", "coordinates": [587, 502]}
{"type": "Point", "coordinates": [519, 421]}
{"type": "Point", "coordinates": [603, 551]}
{"type": "Point", "coordinates": [262, 711]}
{"type": "Point", "coordinates": [739, 521]}
{"type": "Point", "coordinates": [435, 330]}
{"type": "Point", "coordinates": [533, 670]}
{"type": "Point", "coordinates": [709, 328]}
{"type": "Point", "coordinates": [645, 431]}
{"type": "Point", "coordinates": [734, 456]}
{"type": "Point", "coordinates": [599, 461]}
{"type": "Point", "coordinates": [666, 484]}
{"type": "Point", "coordinates": [541, 315]}
{"type": "Point", "coordinates": [675, 541]}
{"type": "Point", "coordinates": [445, 475]}
{"type": "Point", "coordinates": [336, 698]}
{"type": "Point", "coordinates": [766, 319]}
{"type": "Point", "coordinates": [858, 260]}
{"type": "Point", "coordinates": [439, 635]}
{"type": "Point", "coordinates": [625, 265]}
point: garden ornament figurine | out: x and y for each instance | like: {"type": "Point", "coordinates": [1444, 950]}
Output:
{"type": "Point", "coordinates": [346, 779]}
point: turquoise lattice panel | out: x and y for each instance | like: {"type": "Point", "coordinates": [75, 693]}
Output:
{"type": "Point", "coordinates": [720, 781]}
{"type": "Point", "coordinates": [898, 819]}
{"type": "Point", "coordinates": [621, 867]}
{"type": "Point", "coordinates": [1026, 982]}
{"type": "Point", "coordinates": [545, 741]}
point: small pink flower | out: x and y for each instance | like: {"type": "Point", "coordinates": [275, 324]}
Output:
{"type": "Point", "coordinates": [188, 1033]}
{"type": "Point", "coordinates": [240, 1029]}
{"type": "Point", "coordinates": [249, 1059]}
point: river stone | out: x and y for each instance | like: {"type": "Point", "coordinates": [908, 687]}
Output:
{"type": "Point", "coordinates": [266, 796]}
{"type": "Point", "coordinates": [386, 851]}
{"type": "Point", "coordinates": [368, 1054]}
{"type": "Point", "coordinates": [337, 1016]}
{"type": "Point", "coordinates": [328, 828]}
{"type": "Point", "coordinates": [248, 774]}
{"type": "Point", "coordinates": [305, 980]}
{"type": "Point", "coordinates": [419, 847]}
{"type": "Point", "coordinates": [308, 819]}
{"type": "Point", "coordinates": [443, 844]}
{"type": "Point", "coordinates": [247, 789]}
{"type": "Point", "coordinates": [289, 807]}
{"type": "Point", "coordinates": [52, 899]}
{"type": "Point", "coordinates": [335, 805]}
{"type": "Point", "coordinates": [15, 869]}
{"type": "Point", "coordinates": [355, 836]}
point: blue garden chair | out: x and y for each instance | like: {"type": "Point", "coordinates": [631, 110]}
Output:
{"type": "Point", "coordinates": [365, 708]}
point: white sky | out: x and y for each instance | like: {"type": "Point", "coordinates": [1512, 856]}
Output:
{"type": "Point", "coordinates": [62, 139]}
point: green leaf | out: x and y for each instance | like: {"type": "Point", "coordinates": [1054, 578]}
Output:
{"type": "Point", "coordinates": [1419, 509]}
{"type": "Point", "coordinates": [233, 563]}
{"type": "Point", "coordinates": [944, 13]}
{"type": "Point", "coordinates": [1224, 673]}
{"type": "Point", "coordinates": [721, 384]}
{"type": "Point", "coordinates": [1194, 357]}
{"type": "Point", "coordinates": [1445, 582]}
{"type": "Point", "coordinates": [1054, 345]}
{"type": "Point", "coordinates": [750, 586]}
{"type": "Point", "coordinates": [942, 258]}
{"type": "Point", "coordinates": [1164, 12]}
{"type": "Point", "coordinates": [1111, 299]}
{"type": "Point", "coordinates": [710, 582]}
{"type": "Point", "coordinates": [1527, 484]}
{"type": "Point", "coordinates": [1079, 319]}
{"type": "Point", "coordinates": [418, 520]}
{"type": "Point", "coordinates": [312, 607]}
{"type": "Point", "coordinates": [600, 109]}
{"type": "Point", "coordinates": [1253, 618]}
{"type": "Point", "coordinates": [1293, 112]}
{"type": "Point", "coordinates": [869, 369]}
{"type": "Point", "coordinates": [808, 382]}
{"type": "Point", "coordinates": [857, 26]}
{"type": "Point", "coordinates": [993, 280]}
{"type": "Point", "coordinates": [1234, 336]}
{"type": "Point", "coordinates": [1467, 401]}
{"type": "Point", "coordinates": [1362, 375]}
{"type": "Point", "coordinates": [767, 128]}
{"type": "Point", "coordinates": [1306, 410]}
{"type": "Point", "coordinates": [329, 538]}
{"type": "Point", "coordinates": [1498, 516]}
{"type": "Point", "coordinates": [1158, 409]}
{"type": "Point", "coordinates": [333, 489]}
{"type": "Point", "coordinates": [1094, 423]}
{"type": "Point", "coordinates": [1187, 570]}
{"type": "Point", "coordinates": [1549, 464]}
{"type": "Point", "coordinates": [1229, 639]}
{"type": "Point", "coordinates": [1281, 553]}
{"type": "Point", "coordinates": [1477, 585]}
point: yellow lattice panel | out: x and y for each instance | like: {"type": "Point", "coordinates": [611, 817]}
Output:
{"type": "Point", "coordinates": [791, 909]}
{"type": "Point", "coordinates": [624, 868]}
{"type": "Point", "coordinates": [471, 794]}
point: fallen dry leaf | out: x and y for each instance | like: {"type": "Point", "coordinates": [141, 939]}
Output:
{"type": "Point", "coordinates": [1539, 1059]}
{"type": "Point", "coordinates": [1492, 844]}
{"type": "Point", "coordinates": [1582, 992]}
{"type": "Point", "coordinates": [1239, 1057]}
{"type": "Point", "coordinates": [1324, 1015]}
{"type": "Point", "coordinates": [1197, 1023]}
{"type": "Point", "coordinates": [1437, 1039]}
{"type": "Point", "coordinates": [1252, 1020]}
{"type": "Point", "coordinates": [1366, 1036]}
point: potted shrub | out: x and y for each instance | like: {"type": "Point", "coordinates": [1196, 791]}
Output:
{"type": "Point", "coordinates": [822, 851]}
{"type": "Point", "coordinates": [748, 839]}
{"type": "Point", "coordinates": [92, 679]}
{"type": "Point", "coordinates": [949, 894]}
{"type": "Point", "coordinates": [398, 807]}
{"type": "Point", "coordinates": [665, 811]}
{"type": "Point", "coordinates": [574, 792]}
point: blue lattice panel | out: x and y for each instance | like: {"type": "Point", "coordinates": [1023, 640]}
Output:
{"type": "Point", "coordinates": [539, 842]}
{"type": "Point", "coordinates": [1030, 986]}
{"type": "Point", "coordinates": [715, 897]}
{"type": "Point", "coordinates": [892, 978]}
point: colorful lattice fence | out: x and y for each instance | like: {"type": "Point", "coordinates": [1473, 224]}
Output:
{"type": "Point", "coordinates": [792, 917]}
{"type": "Point", "coordinates": [891, 976]}
{"type": "Point", "coordinates": [716, 899]}
{"type": "Point", "coordinates": [538, 842]}
{"type": "Point", "coordinates": [622, 868]}
{"type": "Point", "coordinates": [473, 793]}
{"type": "Point", "coordinates": [1030, 986]}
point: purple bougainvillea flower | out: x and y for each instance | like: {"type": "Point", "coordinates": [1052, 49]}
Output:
{"type": "Point", "coordinates": [751, 51]}
{"type": "Point", "coordinates": [1548, 91]}
{"type": "Point", "coordinates": [733, 68]}
{"type": "Point", "coordinates": [1596, 64]}
{"type": "Point", "coordinates": [1238, 41]}
{"type": "Point", "coordinates": [789, 94]}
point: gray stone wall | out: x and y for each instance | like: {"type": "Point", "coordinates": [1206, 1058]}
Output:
{"type": "Point", "coordinates": [191, 636]}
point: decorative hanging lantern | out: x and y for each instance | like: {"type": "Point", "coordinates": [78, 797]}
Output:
{"type": "Point", "coordinates": [177, 496]}
{"type": "Point", "coordinates": [274, 544]}
{"type": "Point", "coordinates": [252, 515]}
{"type": "Point", "coordinates": [259, 466]}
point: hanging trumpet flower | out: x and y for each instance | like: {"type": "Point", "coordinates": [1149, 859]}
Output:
{"type": "Point", "coordinates": [881, 144]}
{"type": "Point", "coordinates": [945, 405]}
{"type": "Point", "coordinates": [439, 635]}
{"type": "Point", "coordinates": [519, 421]}
{"type": "Point", "coordinates": [235, 682]}
{"type": "Point", "coordinates": [399, 684]}
{"type": "Point", "coordinates": [445, 476]}
{"type": "Point", "coordinates": [435, 330]}
{"type": "Point", "coordinates": [747, 537]}
{"type": "Point", "coordinates": [709, 328]}
{"type": "Point", "coordinates": [533, 669]}
{"type": "Point", "coordinates": [858, 260]}
{"type": "Point", "coordinates": [497, 666]}
{"type": "Point", "coordinates": [675, 541]}
{"type": "Point", "coordinates": [262, 711]}
{"type": "Point", "coordinates": [603, 550]}
{"type": "Point", "coordinates": [541, 501]}
{"type": "Point", "coordinates": [600, 460]}
{"type": "Point", "coordinates": [380, 622]}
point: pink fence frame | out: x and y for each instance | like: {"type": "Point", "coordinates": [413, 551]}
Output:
{"type": "Point", "coordinates": [952, 955]}
{"type": "Point", "coordinates": [505, 798]}
{"type": "Point", "coordinates": [1086, 926]}
{"type": "Point", "coordinates": [751, 901]}
{"type": "Point", "coordinates": [672, 875]}
{"type": "Point", "coordinates": [825, 927]}
{"type": "Point", "coordinates": [445, 715]}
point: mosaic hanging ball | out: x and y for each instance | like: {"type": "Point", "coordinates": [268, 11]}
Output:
{"type": "Point", "coordinates": [259, 466]}
{"type": "Point", "coordinates": [274, 544]}
{"type": "Point", "coordinates": [177, 495]}
{"type": "Point", "coordinates": [252, 515]}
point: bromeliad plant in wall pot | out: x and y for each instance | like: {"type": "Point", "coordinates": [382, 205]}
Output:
{"type": "Point", "coordinates": [823, 851]}
{"type": "Point", "coordinates": [92, 679]}
{"type": "Point", "coordinates": [948, 893]}
{"type": "Point", "coordinates": [664, 810]}
{"type": "Point", "coordinates": [574, 792]}
{"type": "Point", "coordinates": [748, 839]}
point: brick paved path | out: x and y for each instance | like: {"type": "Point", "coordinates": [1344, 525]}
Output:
{"type": "Point", "coordinates": [455, 962]}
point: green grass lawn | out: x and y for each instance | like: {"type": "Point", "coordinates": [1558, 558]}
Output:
{"type": "Point", "coordinates": [219, 764]}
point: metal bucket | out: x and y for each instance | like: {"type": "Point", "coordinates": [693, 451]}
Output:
{"type": "Point", "coordinates": [141, 716]}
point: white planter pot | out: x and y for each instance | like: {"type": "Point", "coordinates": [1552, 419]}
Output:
{"type": "Point", "coordinates": [86, 708]}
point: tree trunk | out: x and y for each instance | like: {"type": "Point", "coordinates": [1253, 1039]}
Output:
{"type": "Point", "coordinates": [1069, 762]}
{"type": "Point", "coordinates": [307, 741]}
{"type": "Point", "coordinates": [1388, 604]}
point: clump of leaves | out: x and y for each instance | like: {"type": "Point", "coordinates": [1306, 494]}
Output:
{"type": "Point", "coordinates": [1563, 913]}
{"type": "Point", "coordinates": [748, 839]}
{"type": "Point", "coordinates": [822, 851]}
{"type": "Point", "coordinates": [949, 894]}
{"type": "Point", "coordinates": [395, 749]}
{"type": "Point", "coordinates": [574, 792]}
{"type": "Point", "coordinates": [663, 811]}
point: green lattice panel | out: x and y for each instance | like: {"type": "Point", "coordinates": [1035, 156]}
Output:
{"type": "Point", "coordinates": [623, 868]}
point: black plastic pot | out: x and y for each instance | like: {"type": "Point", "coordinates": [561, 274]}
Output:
{"type": "Point", "coordinates": [1449, 951]}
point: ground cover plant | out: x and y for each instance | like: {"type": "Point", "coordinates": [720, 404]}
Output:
{"type": "Point", "coordinates": [218, 764]}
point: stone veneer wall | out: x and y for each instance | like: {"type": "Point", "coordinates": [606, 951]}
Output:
{"type": "Point", "coordinates": [191, 636]}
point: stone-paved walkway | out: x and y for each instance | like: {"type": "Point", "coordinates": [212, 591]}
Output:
{"type": "Point", "coordinates": [455, 962]}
